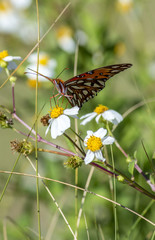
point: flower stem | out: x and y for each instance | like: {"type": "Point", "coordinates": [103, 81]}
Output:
{"type": "Point", "coordinates": [8, 180]}
{"type": "Point", "coordinates": [126, 179]}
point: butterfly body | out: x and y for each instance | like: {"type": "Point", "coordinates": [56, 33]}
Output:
{"type": "Point", "coordinates": [59, 84]}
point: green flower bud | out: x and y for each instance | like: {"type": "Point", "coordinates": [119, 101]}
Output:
{"type": "Point", "coordinates": [23, 147]}
{"type": "Point", "coordinates": [3, 64]}
{"type": "Point", "coordinates": [13, 79]}
{"type": "Point", "coordinates": [5, 122]}
{"type": "Point", "coordinates": [120, 178]}
{"type": "Point", "coordinates": [73, 162]}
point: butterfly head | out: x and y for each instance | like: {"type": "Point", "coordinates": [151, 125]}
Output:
{"type": "Point", "coordinates": [59, 85]}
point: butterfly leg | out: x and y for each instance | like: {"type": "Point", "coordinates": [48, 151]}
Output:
{"type": "Point", "coordinates": [54, 99]}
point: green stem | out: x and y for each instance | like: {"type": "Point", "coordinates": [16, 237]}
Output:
{"type": "Point", "coordinates": [36, 125]}
{"type": "Point", "coordinates": [5, 187]}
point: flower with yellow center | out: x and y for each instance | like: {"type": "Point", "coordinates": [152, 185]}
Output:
{"type": "Point", "coordinates": [6, 61]}
{"type": "Point", "coordinates": [102, 111]}
{"type": "Point", "coordinates": [46, 67]}
{"type": "Point", "coordinates": [124, 5]}
{"type": "Point", "coordinates": [59, 121]}
{"type": "Point", "coordinates": [94, 141]}
{"type": "Point", "coordinates": [65, 40]}
{"type": "Point", "coordinates": [9, 18]}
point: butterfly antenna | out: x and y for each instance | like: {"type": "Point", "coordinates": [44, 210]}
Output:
{"type": "Point", "coordinates": [62, 72]}
{"type": "Point", "coordinates": [35, 72]}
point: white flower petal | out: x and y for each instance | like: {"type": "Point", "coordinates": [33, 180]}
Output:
{"type": "Point", "coordinates": [33, 57]}
{"type": "Point", "coordinates": [8, 59]}
{"type": "Point", "coordinates": [88, 117]}
{"type": "Point", "coordinates": [89, 157]}
{"type": "Point", "coordinates": [10, 21]}
{"type": "Point", "coordinates": [59, 126]}
{"type": "Point", "coordinates": [48, 128]}
{"type": "Point", "coordinates": [17, 58]}
{"type": "Point", "coordinates": [98, 117]}
{"type": "Point", "coordinates": [52, 63]}
{"type": "Point", "coordinates": [99, 156]}
{"type": "Point", "coordinates": [101, 132]}
{"type": "Point", "coordinates": [108, 140]}
{"type": "Point", "coordinates": [45, 70]}
{"type": "Point", "coordinates": [72, 111]}
{"type": "Point", "coordinates": [11, 58]}
{"type": "Point", "coordinates": [67, 44]}
{"type": "Point", "coordinates": [22, 4]}
{"type": "Point", "coordinates": [89, 133]}
{"type": "Point", "coordinates": [112, 116]}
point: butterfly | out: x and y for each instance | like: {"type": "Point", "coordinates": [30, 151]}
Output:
{"type": "Point", "coordinates": [85, 86]}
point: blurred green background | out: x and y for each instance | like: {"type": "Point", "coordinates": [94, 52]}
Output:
{"type": "Point", "coordinates": [108, 32]}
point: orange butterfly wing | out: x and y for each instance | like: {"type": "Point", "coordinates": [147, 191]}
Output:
{"type": "Point", "coordinates": [86, 85]}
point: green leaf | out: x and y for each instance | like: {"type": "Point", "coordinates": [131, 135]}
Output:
{"type": "Point", "coordinates": [131, 166]}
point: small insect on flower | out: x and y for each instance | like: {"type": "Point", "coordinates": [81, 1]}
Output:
{"type": "Point", "coordinates": [102, 111]}
{"type": "Point", "coordinates": [59, 120]}
{"type": "Point", "coordinates": [94, 142]}
{"type": "Point", "coordinates": [7, 61]}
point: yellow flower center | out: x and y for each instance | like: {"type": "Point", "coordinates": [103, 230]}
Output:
{"type": "Point", "coordinates": [64, 31]}
{"type": "Point", "coordinates": [120, 49]}
{"type": "Point", "coordinates": [44, 60]}
{"type": "Point", "coordinates": [100, 109]}
{"type": "Point", "coordinates": [124, 5]}
{"type": "Point", "coordinates": [4, 6]}
{"type": "Point", "coordinates": [32, 83]}
{"type": "Point", "coordinates": [3, 54]}
{"type": "Point", "coordinates": [94, 143]}
{"type": "Point", "coordinates": [56, 112]}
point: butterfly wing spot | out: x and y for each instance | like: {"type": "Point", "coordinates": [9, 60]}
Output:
{"type": "Point", "coordinates": [80, 95]}
{"type": "Point", "coordinates": [73, 82]}
{"type": "Point", "coordinates": [115, 71]}
{"type": "Point", "coordinates": [85, 92]}
{"type": "Point", "coordinates": [81, 76]}
{"type": "Point", "coordinates": [90, 72]}
{"type": "Point", "coordinates": [115, 66]}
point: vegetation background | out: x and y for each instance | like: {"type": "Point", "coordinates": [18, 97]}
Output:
{"type": "Point", "coordinates": [108, 32]}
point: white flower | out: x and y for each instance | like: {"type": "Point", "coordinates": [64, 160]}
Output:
{"type": "Point", "coordinates": [94, 142]}
{"type": "Point", "coordinates": [9, 19]}
{"type": "Point", "coordinates": [22, 4]}
{"type": "Point", "coordinates": [46, 67]}
{"type": "Point", "coordinates": [59, 121]}
{"type": "Point", "coordinates": [65, 40]}
{"type": "Point", "coordinates": [7, 61]}
{"type": "Point", "coordinates": [102, 111]}
{"type": "Point", "coordinates": [81, 37]}
{"type": "Point", "coordinates": [124, 5]}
